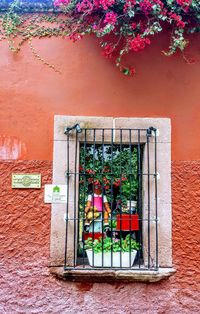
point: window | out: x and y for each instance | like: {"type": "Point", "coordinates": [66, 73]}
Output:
{"type": "Point", "coordinates": [108, 215]}
{"type": "Point", "coordinates": [123, 164]}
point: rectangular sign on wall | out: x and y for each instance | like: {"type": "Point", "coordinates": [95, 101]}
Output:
{"type": "Point", "coordinates": [55, 193]}
{"type": "Point", "coordinates": [26, 180]}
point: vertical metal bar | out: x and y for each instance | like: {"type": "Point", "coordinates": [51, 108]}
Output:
{"type": "Point", "coordinates": [103, 210]}
{"type": "Point", "coordinates": [75, 191]}
{"type": "Point", "coordinates": [120, 198]}
{"type": "Point", "coordinates": [130, 196]}
{"type": "Point", "coordinates": [67, 206]}
{"type": "Point", "coordinates": [111, 170]}
{"type": "Point", "coordinates": [139, 194]}
{"type": "Point", "coordinates": [79, 203]}
{"type": "Point", "coordinates": [149, 208]}
{"type": "Point", "coordinates": [93, 167]}
{"type": "Point", "coordinates": [84, 165]}
{"type": "Point", "coordinates": [156, 200]}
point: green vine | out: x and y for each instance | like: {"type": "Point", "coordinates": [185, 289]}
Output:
{"type": "Point", "coordinates": [122, 26]}
{"type": "Point", "coordinates": [18, 28]}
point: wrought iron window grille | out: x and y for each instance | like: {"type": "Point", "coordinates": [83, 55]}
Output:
{"type": "Point", "coordinates": [114, 225]}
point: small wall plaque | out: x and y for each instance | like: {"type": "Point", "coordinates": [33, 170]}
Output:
{"type": "Point", "coordinates": [55, 193]}
{"type": "Point", "coordinates": [26, 181]}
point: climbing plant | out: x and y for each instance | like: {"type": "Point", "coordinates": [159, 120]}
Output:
{"type": "Point", "coordinates": [122, 26]}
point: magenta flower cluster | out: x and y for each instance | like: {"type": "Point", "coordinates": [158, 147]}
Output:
{"type": "Point", "coordinates": [125, 26]}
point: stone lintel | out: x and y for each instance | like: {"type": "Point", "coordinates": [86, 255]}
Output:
{"type": "Point", "coordinates": [112, 275]}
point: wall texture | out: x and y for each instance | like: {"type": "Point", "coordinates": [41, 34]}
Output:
{"type": "Point", "coordinates": [27, 286]}
{"type": "Point", "coordinates": [31, 93]}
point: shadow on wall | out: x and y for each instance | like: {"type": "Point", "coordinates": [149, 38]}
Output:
{"type": "Point", "coordinates": [11, 148]}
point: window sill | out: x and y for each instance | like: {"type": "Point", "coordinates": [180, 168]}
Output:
{"type": "Point", "coordinates": [111, 275]}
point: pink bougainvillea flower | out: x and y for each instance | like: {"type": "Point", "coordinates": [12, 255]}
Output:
{"type": "Point", "coordinates": [110, 18]}
{"type": "Point", "coordinates": [85, 6]}
{"type": "Point", "coordinates": [138, 43]}
{"type": "Point", "coordinates": [177, 19]}
{"type": "Point", "coordinates": [105, 4]}
{"type": "Point", "coordinates": [132, 71]}
{"type": "Point", "coordinates": [61, 2]}
{"type": "Point", "coordinates": [123, 25]}
{"type": "Point", "coordinates": [184, 4]}
{"type": "Point", "coordinates": [75, 36]}
{"type": "Point", "coordinates": [146, 6]}
{"type": "Point", "coordinates": [94, 27]}
{"type": "Point", "coordinates": [133, 25]}
{"type": "Point", "coordinates": [107, 52]}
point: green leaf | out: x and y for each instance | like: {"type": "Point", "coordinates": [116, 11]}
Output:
{"type": "Point", "coordinates": [131, 13]}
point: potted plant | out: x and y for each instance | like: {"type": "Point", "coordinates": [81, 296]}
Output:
{"type": "Point", "coordinates": [120, 188]}
{"type": "Point", "coordinates": [110, 252]}
{"type": "Point", "coordinates": [128, 219]}
{"type": "Point", "coordinates": [129, 194]}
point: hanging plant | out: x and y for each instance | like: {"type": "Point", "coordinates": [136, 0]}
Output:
{"type": "Point", "coordinates": [122, 26]}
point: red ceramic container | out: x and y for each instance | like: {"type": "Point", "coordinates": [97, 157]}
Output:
{"type": "Point", "coordinates": [129, 222]}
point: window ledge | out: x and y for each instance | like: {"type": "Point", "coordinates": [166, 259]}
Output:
{"type": "Point", "coordinates": [110, 275]}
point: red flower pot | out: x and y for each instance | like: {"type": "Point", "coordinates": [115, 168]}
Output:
{"type": "Point", "coordinates": [127, 222]}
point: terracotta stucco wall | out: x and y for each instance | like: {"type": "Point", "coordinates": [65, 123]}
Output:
{"type": "Point", "coordinates": [30, 96]}
{"type": "Point", "coordinates": [27, 286]}
{"type": "Point", "coordinates": [31, 93]}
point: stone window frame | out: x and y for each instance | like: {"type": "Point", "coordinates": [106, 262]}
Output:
{"type": "Point", "coordinates": [58, 223]}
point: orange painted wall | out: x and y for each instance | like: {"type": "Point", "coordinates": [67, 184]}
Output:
{"type": "Point", "coordinates": [31, 93]}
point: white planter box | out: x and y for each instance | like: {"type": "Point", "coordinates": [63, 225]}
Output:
{"type": "Point", "coordinates": [127, 259]}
